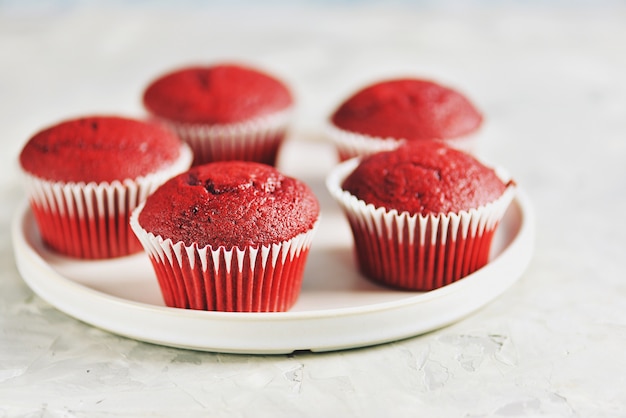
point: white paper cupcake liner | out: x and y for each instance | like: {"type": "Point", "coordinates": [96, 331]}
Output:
{"type": "Point", "coordinates": [90, 220]}
{"type": "Point", "coordinates": [255, 140]}
{"type": "Point", "coordinates": [252, 279]}
{"type": "Point", "coordinates": [417, 252]}
{"type": "Point", "coordinates": [351, 144]}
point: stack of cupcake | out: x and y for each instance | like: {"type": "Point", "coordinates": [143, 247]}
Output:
{"type": "Point", "coordinates": [195, 187]}
{"type": "Point", "coordinates": [422, 209]}
{"type": "Point", "coordinates": [223, 228]}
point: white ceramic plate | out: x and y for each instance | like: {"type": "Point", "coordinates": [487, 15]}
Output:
{"type": "Point", "coordinates": [337, 309]}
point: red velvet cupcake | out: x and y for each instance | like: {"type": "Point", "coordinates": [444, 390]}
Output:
{"type": "Point", "coordinates": [383, 115]}
{"type": "Point", "coordinates": [224, 112]}
{"type": "Point", "coordinates": [422, 215]}
{"type": "Point", "coordinates": [229, 236]}
{"type": "Point", "coordinates": [85, 176]}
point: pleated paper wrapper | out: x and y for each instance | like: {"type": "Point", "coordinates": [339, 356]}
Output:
{"type": "Point", "coordinates": [251, 279]}
{"type": "Point", "coordinates": [417, 252]}
{"type": "Point", "coordinates": [256, 140]}
{"type": "Point", "coordinates": [91, 220]}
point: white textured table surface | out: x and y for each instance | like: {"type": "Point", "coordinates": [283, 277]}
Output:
{"type": "Point", "coordinates": [551, 84]}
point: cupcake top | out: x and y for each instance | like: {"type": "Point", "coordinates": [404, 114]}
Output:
{"type": "Point", "coordinates": [230, 204]}
{"type": "Point", "coordinates": [424, 178]}
{"type": "Point", "coordinates": [99, 149]}
{"type": "Point", "coordinates": [410, 109]}
{"type": "Point", "coordinates": [219, 94]}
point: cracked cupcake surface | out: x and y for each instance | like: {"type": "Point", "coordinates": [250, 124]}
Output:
{"type": "Point", "coordinates": [410, 109]}
{"type": "Point", "coordinates": [230, 204]}
{"type": "Point", "coordinates": [99, 149]}
{"type": "Point", "coordinates": [218, 94]}
{"type": "Point", "coordinates": [423, 179]}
